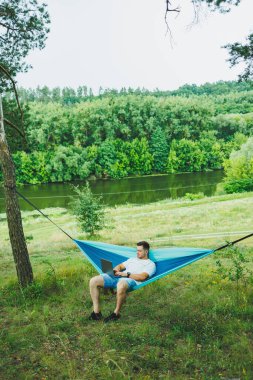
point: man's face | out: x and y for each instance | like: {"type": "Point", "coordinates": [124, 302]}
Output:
{"type": "Point", "coordinates": [141, 252]}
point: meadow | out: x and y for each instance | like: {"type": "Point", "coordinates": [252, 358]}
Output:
{"type": "Point", "coordinates": [196, 323]}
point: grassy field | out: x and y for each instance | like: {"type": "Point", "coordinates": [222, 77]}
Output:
{"type": "Point", "coordinates": [193, 324]}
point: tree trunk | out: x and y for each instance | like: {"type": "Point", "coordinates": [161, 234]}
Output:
{"type": "Point", "coordinates": [16, 233]}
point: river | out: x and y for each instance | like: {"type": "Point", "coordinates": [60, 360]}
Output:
{"type": "Point", "coordinates": [134, 190]}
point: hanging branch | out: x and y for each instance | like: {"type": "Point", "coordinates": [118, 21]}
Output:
{"type": "Point", "coordinates": [167, 10]}
{"type": "Point", "coordinates": [22, 133]}
{"type": "Point", "coordinates": [14, 127]}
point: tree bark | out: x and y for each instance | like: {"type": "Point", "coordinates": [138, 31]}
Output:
{"type": "Point", "coordinates": [16, 233]}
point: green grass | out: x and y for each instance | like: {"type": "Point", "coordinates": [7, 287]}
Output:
{"type": "Point", "coordinates": [190, 325]}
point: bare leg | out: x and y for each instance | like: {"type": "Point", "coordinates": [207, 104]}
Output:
{"type": "Point", "coordinates": [96, 283]}
{"type": "Point", "coordinates": [122, 287]}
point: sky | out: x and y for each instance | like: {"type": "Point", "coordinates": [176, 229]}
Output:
{"type": "Point", "coordinates": [123, 43]}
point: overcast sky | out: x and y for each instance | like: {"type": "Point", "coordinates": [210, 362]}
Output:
{"type": "Point", "coordinates": [122, 43]}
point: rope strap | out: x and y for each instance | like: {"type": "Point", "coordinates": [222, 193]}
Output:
{"type": "Point", "coordinates": [232, 242]}
{"type": "Point", "coordinates": [36, 208]}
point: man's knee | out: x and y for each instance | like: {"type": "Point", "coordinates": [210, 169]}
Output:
{"type": "Point", "coordinates": [122, 286]}
{"type": "Point", "coordinates": [96, 281]}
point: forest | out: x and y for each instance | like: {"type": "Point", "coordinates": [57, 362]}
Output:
{"type": "Point", "coordinates": [74, 134]}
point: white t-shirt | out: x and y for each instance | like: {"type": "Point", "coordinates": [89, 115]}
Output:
{"type": "Point", "coordinates": [137, 266]}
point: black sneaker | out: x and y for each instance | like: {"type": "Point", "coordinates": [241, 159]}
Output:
{"type": "Point", "coordinates": [112, 317]}
{"type": "Point", "coordinates": [95, 316]}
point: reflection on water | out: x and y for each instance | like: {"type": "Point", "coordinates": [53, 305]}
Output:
{"type": "Point", "coordinates": [140, 190]}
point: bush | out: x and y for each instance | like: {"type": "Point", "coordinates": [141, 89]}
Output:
{"type": "Point", "coordinates": [239, 169]}
{"type": "Point", "coordinates": [89, 210]}
{"type": "Point", "coordinates": [238, 186]}
{"type": "Point", "coordinates": [192, 197]}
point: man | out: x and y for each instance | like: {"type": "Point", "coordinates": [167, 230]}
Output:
{"type": "Point", "coordinates": [127, 275]}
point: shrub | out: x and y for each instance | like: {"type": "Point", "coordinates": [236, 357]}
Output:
{"type": "Point", "coordinates": [89, 210]}
{"type": "Point", "coordinates": [238, 186]}
{"type": "Point", "coordinates": [239, 169]}
{"type": "Point", "coordinates": [192, 197]}
{"type": "Point", "coordinates": [237, 269]}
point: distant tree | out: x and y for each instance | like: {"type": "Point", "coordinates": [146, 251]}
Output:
{"type": "Point", "coordinates": [56, 94]}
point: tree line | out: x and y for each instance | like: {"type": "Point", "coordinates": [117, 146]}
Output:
{"type": "Point", "coordinates": [131, 134]}
{"type": "Point", "coordinates": [68, 95]}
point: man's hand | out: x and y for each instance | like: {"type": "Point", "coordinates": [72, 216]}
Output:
{"type": "Point", "coordinates": [117, 270]}
{"type": "Point", "coordinates": [120, 274]}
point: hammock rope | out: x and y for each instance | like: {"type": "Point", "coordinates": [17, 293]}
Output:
{"type": "Point", "coordinates": [42, 213]}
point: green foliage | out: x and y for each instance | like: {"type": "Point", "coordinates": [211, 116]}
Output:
{"type": "Point", "coordinates": [239, 169]}
{"type": "Point", "coordinates": [240, 164]}
{"type": "Point", "coordinates": [237, 269]}
{"type": "Point", "coordinates": [140, 159]}
{"type": "Point", "coordinates": [24, 27]}
{"type": "Point", "coordinates": [106, 157]}
{"type": "Point", "coordinates": [83, 93]}
{"type": "Point", "coordinates": [28, 238]}
{"type": "Point", "coordinates": [48, 125]}
{"type": "Point", "coordinates": [218, 88]}
{"type": "Point", "coordinates": [192, 196]}
{"type": "Point", "coordinates": [116, 158]}
{"type": "Point", "coordinates": [32, 168]}
{"type": "Point", "coordinates": [185, 156]}
{"type": "Point", "coordinates": [32, 292]}
{"type": "Point", "coordinates": [213, 151]}
{"type": "Point", "coordinates": [234, 103]}
{"type": "Point", "coordinates": [62, 164]}
{"type": "Point", "coordinates": [89, 210]}
{"type": "Point", "coordinates": [12, 114]}
{"type": "Point", "coordinates": [238, 186]}
{"type": "Point", "coordinates": [159, 149]}
{"type": "Point", "coordinates": [227, 125]}
{"type": "Point", "coordinates": [68, 163]}
{"type": "Point", "coordinates": [132, 132]}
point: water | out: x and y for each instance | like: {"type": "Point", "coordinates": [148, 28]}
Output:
{"type": "Point", "coordinates": [137, 190]}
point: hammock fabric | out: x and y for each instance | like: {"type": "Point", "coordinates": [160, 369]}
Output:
{"type": "Point", "coordinates": [167, 260]}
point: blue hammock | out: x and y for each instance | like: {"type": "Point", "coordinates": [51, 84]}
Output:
{"type": "Point", "coordinates": [167, 260]}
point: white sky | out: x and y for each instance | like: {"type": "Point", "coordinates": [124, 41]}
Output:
{"type": "Point", "coordinates": [122, 43]}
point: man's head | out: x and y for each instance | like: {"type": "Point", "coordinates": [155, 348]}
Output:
{"type": "Point", "coordinates": [142, 250]}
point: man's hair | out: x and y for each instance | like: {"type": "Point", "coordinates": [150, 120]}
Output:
{"type": "Point", "coordinates": [144, 244]}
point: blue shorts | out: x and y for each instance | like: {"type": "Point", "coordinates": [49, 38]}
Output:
{"type": "Point", "coordinates": [111, 282]}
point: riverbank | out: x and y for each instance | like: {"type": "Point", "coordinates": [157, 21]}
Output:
{"type": "Point", "coordinates": [190, 325]}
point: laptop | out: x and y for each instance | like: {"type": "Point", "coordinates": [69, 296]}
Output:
{"type": "Point", "coordinates": [107, 267]}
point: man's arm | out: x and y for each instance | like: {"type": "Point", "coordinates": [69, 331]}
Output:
{"type": "Point", "coordinates": [138, 277]}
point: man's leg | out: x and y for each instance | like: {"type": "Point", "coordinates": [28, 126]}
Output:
{"type": "Point", "coordinates": [96, 283]}
{"type": "Point", "coordinates": [122, 288]}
